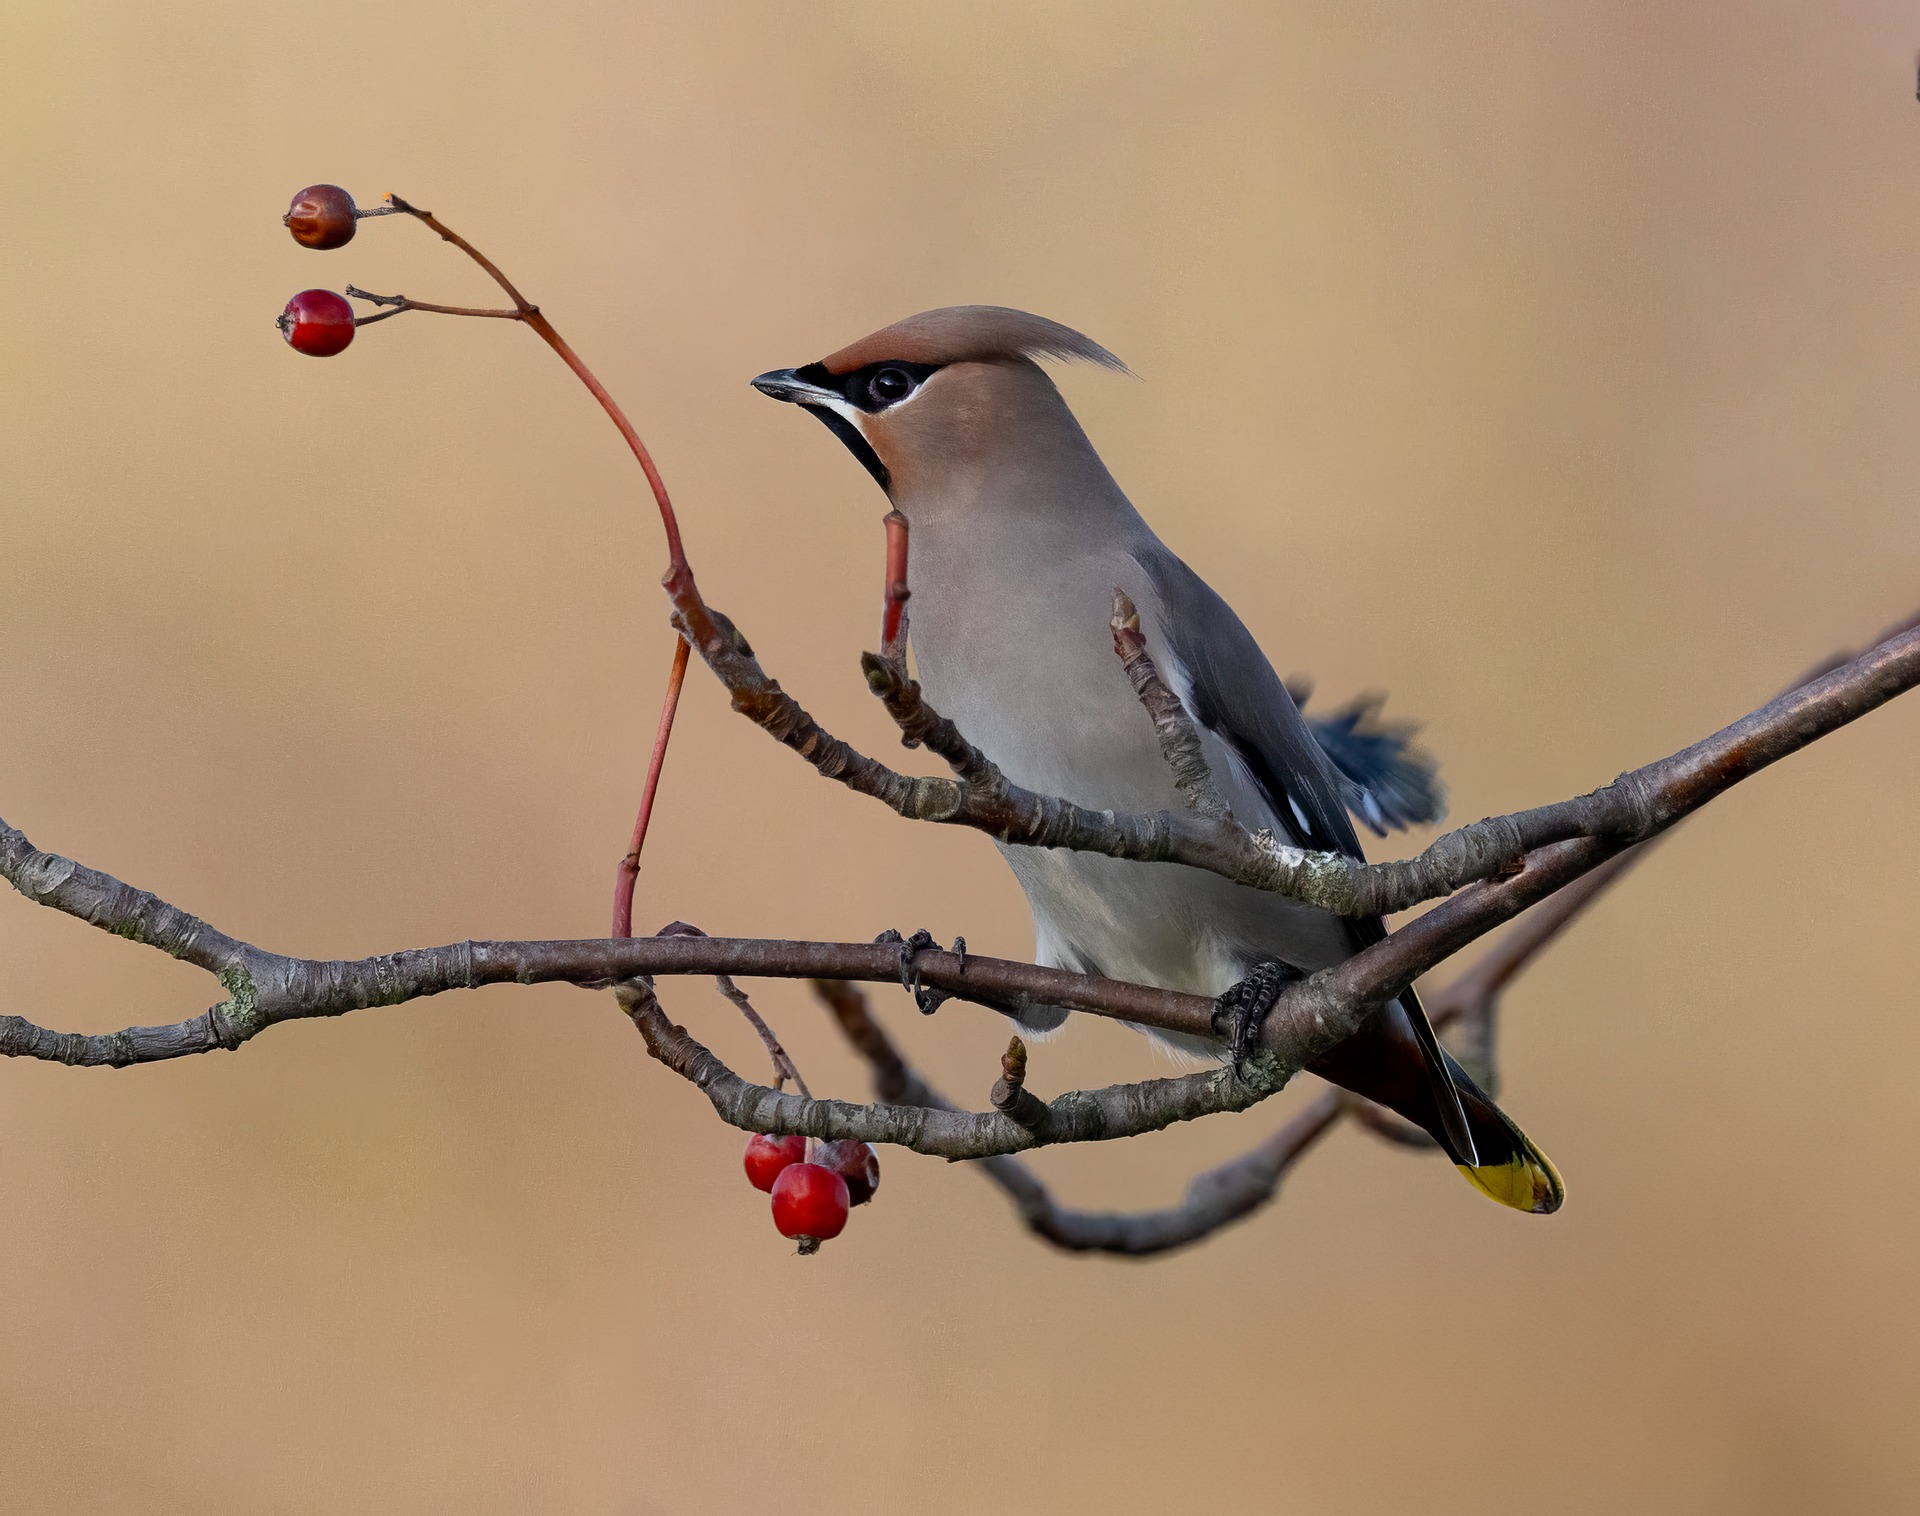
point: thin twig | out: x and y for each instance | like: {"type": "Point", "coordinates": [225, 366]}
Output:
{"type": "Point", "coordinates": [784, 1068]}
{"type": "Point", "coordinates": [679, 576]}
{"type": "Point", "coordinates": [628, 873]}
{"type": "Point", "coordinates": [401, 304]}
{"type": "Point", "coordinates": [679, 572]}
{"type": "Point", "coordinates": [1179, 739]}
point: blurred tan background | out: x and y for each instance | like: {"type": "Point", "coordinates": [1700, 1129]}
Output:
{"type": "Point", "coordinates": [1550, 366]}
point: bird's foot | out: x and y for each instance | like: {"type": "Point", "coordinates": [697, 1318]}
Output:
{"type": "Point", "coordinates": [927, 998]}
{"type": "Point", "coordinates": [1240, 1013]}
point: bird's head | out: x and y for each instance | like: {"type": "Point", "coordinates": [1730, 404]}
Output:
{"type": "Point", "coordinates": [937, 399]}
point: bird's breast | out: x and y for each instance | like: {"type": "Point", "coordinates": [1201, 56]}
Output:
{"type": "Point", "coordinates": [1023, 663]}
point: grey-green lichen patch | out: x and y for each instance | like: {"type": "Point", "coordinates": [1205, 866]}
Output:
{"type": "Point", "coordinates": [240, 1011]}
{"type": "Point", "coordinates": [1322, 879]}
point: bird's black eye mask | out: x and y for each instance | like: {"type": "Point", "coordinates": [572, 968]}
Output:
{"type": "Point", "coordinates": [872, 389]}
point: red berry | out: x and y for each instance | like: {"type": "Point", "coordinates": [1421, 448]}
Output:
{"type": "Point", "coordinates": [318, 323]}
{"type": "Point", "coordinates": [809, 1204]}
{"type": "Point", "coordinates": [321, 217]}
{"type": "Point", "coordinates": [855, 1162]}
{"type": "Point", "coordinates": [767, 1156]}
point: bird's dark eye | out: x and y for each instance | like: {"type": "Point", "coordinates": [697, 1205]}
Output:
{"type": "Point", "coordinates": [890, 384]}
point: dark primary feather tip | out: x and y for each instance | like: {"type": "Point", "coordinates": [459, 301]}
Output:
{"type": "Point", "coordinates": [1397, 782]}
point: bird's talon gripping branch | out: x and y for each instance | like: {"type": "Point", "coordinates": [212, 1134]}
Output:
{"type": "Point", "coordinates": [927, 999]}
{"type": "Point", "coordinates": [1241, 1011]}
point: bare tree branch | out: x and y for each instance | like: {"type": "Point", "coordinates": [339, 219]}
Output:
{"type": "Point", "coordinates": [1310, 1017]}
{"type": "Point", "coordinates": [1214, 1199]}
{"type": "Point", "coordinates": [1638, 805]}
{"type": "Point", "coordinates": [1102, 1115]}
{"type": "Point", "coordinates": [266, 988]}
{"type": "Point", "coordinates": [1471, 999]}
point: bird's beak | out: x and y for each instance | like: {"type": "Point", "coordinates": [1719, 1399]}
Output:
{"type": "Point", "coordinates": [831, 407]}
{"type": "Point", "coordinates": [786, 384]}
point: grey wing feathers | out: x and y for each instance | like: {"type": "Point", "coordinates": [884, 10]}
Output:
{"type": "Point", "coordinates": [1236, 694]}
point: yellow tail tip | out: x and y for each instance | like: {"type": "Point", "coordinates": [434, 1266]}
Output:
{"type": "Point", "coordinates": [1526, 1181]}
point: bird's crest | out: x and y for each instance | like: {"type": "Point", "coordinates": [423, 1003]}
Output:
{"type": "Point", "coordinates": [971, 334]}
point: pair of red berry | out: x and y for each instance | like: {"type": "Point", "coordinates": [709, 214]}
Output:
{"type": "Point", "coordinates": [320, 323]}
{"type": "Point", "coordinates": [811, 1196]}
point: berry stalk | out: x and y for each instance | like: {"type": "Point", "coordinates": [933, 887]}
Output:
{"type": "Point", "coordinates": [679, 571]}
{"type": "Point", "coordinates": [320, 323]}
{"type": "Point", "coordinates": [679, 575]}
{"type": "Point", "coordinates": [628, 875]}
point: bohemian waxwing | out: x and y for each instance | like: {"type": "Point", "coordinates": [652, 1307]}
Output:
{"type": "Point", "coordinates": [1020, 538]}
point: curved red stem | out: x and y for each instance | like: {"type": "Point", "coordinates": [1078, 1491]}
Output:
{"type": "Point", "coordinates": [679, 576]}
{"type": "Point", "coordinates": [894, 601]}
{"type": "Point", "coordinates": [629, 873]}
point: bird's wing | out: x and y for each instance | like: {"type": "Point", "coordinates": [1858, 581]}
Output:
{"type": "Point", "coordinates": [1390, 782]}
{"type": "Point", "coordinates": [1234, 692]}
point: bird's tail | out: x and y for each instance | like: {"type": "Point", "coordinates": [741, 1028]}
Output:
{"type": "Point", "coordinates": [1511, 1169]}
{"type": "Point", "coordinates": [1386, 1062]}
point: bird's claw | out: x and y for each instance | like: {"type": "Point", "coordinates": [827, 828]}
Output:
{"type": "Point", "coordinates": [1240, 1012]}
{"type": "Point", "coordinates": [926, 998]}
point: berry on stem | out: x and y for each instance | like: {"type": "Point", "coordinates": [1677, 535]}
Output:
{"type": "Point", "coordinates": [318, 323]}
{"type": "Point", "coordinates": [809, 1204]}
{"type": "Point", "coordinates": [322, 216]}
{"type": "Point", "coordinates": [855, 1162]}
{"type": "Point", "coordinates": [767, 1156]}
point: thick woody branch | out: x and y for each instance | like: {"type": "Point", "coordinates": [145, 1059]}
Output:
{"type": "Point", "coordinates": [1470, 1000]}
{"type": "Point", "coordinates": [1636, 806]}
{"type": "Point", "coordinates": [1102, 1115]}
{"type": "Point", "coordinates": [1214, 1199]}
{"type": "Point", "coordinates": [1308, 1019]}
{"type": "Point", "coordinates": [268, 988]}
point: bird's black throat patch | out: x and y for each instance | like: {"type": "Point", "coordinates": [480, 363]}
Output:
{"type": "Point", "coordinates": [848, 433]}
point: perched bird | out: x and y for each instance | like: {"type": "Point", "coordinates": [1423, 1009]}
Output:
{"type": "Point", "coordinates": [1020, 538]}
